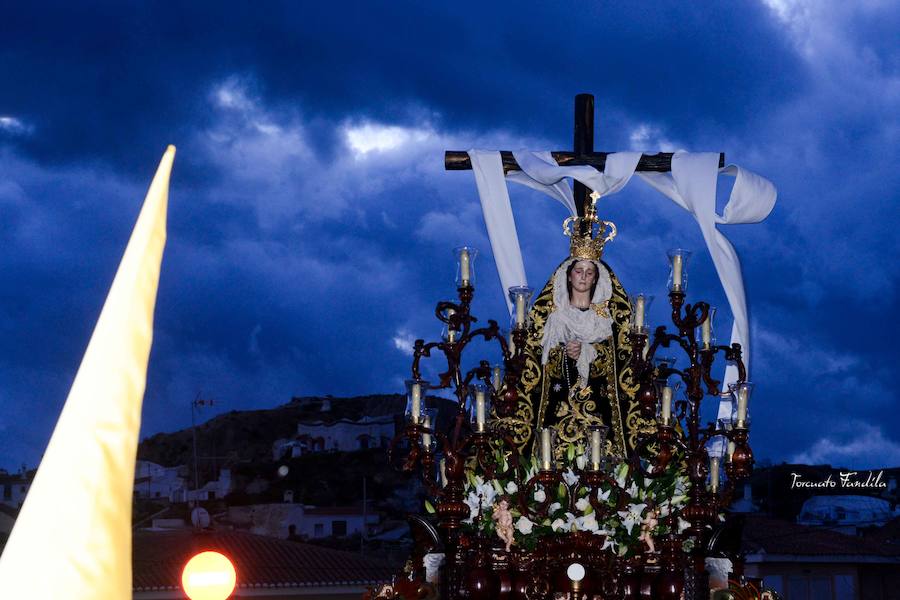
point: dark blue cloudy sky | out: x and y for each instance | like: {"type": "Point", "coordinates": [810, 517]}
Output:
{"type": "Point", "coordinates": [311, 221]}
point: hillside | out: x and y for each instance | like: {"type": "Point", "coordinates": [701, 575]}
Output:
{"type": "Point", "coordinates": [242, 441]}
{"type": "Point", "coordinates": [247, 436]}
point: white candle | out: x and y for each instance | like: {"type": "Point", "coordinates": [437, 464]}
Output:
{"type": "Point", "coordinates": [497, 381]}
{"type": "Point", "coordinates": [714, 474]}
{"type": "Point", "coordinates": [479, 411]}
{"type": "Point", "coordinates": [705, 330]}
{"type": "Point", "coordinates": [426, 437]}
{"type": "Point", "coordinates": [742, 405]}
{"type": "Point", "coordinates": [512, 344]}
{"type": "Point", "coordinates": [464, 267]}
{"type": "Point", "coordinates": [676, 271]}
{"type": "Point", "coordinates": [416, 408]}
{"type": "Point", "coordinates": [730, 451]}
{"type": "Point", "coordinates": [595, 449]}
{"type": "Point", "coordinates": [639, 311]}
{"type": "Point", "coordinates": [520, 310]}
{"type": "Point", "coordinates": [451, 333]}
{"type": "Point", "coordinates": [546, 450]}
{"type": "Point", "coordinates": [666, 405]}
{"type": "Point", "coordinates": [443, 472]}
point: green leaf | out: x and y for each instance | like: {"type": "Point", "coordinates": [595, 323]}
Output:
{"type": "Point", "coordinates": [570, 452]}
{"type": "Point", "coordinates": [429, 508]}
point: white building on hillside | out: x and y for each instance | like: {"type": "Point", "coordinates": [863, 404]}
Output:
{"type": "Point", "coordinates": [153, 481]}
{"type": "Point", "coordinates": [289, 520]}
{"type": "Point", "coordinates": [211, 490]}
{"type": "Point", "coordinates": [156, 481]}
{"type": "Point", "coordinates": [343, 435]}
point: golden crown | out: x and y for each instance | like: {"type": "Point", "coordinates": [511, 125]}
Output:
{"type": "Point", "coordinates": [584, 242]}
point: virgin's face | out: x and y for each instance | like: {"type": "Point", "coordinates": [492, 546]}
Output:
{"type": "Point", "coordinates": [583, 276]}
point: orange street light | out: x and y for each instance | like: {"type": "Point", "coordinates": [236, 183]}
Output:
{"type": "Point", "coordinates": [208, 576]}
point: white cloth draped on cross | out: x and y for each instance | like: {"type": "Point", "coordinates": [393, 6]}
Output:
{"type": "Point", "coordinates": [691, 184]}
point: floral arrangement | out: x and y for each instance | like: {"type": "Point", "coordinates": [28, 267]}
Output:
{"type": "Point", "coordinates": [627, 509]}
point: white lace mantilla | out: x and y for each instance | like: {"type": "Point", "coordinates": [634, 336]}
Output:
{"type": "Point", "coordinates": [567, 322]}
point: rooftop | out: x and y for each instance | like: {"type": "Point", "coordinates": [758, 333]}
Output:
{"type": "Point", "coordinates": [765, 535]}
{"type": "Point", "coordinates": [261, 562]}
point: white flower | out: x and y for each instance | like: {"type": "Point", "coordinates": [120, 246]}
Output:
{"type": "Point", "coordinates": [679, 500]}
{"type": "Point", "coordinates": [570, 477]}
{"type": "Point", "coordinates": [540, 496]}
{"type": "Point", "coordinates": [609, 543]}
{"type": "Point", "coordinates": [480, 498]}
{"type": "Point", "coordinates": [633, 490]}
{"type": "Point", "coordinates": [511, 487]}
{"type": "Point", "coordinates": [583, 504]}
{"type": "Point", "coordinates": [682, 525]}
{"type": "Point", "coordinates": [473, 502]}
{"type": "Point", "coordinates": [603, 496]}
{"type": "Point", "coordinates": [558, 525]}
{"type": "Point", "coordinates": [621, 472]}
{"type": "Point", "coordinates": [581, 460]}
{"type": "Point", "coordinates": [487, 493]}
{"type": "Point", "coordinates": [587, 523]}
{"type": "Point", "coordinates": [524, 525]}
{"type": "Point", "coordinates": [632, 516]}
{"type": "Point", "coordinates": [553, 508]}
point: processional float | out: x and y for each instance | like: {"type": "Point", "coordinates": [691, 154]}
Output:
{"type": "Point", "coordinates": [550, 518]}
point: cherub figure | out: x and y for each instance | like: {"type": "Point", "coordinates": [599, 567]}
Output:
{"type": "Point", "coordinates": [647, 528]}
{"type": "Point", "coordinates": [503, 518]}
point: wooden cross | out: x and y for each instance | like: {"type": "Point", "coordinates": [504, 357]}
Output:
{"type": "Point", "coordinates": [583, 154]}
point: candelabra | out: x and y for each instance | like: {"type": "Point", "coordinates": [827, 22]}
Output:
{"type": "Point", "coordinates": [590, 525]}
{"type": "Point", "coordinates": [705, 503]}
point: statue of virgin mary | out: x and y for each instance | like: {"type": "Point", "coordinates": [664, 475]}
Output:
{"type": "Point", "coordinates": [577, 356]}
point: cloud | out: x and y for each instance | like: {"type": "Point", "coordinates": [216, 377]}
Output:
{"type": "Point", "coordinates": [233, 94]}
{"type": "Point", "coordinates": [650, 138]}
{"type": "Point", "coordinates": [374, 137]}
{"type": "Point", "coordinates": [403, 341]}
{"type": "Point", "coordinates": [14, 126]}
{"type": "Point", "coordinates": [858, 445]}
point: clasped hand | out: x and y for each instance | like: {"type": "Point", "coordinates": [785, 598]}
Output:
{"type": "Point", "coordinates": [573, 349]}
